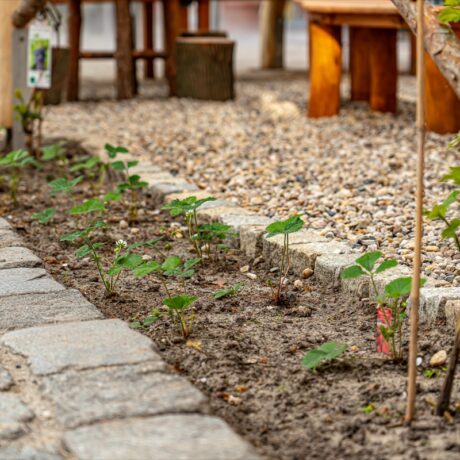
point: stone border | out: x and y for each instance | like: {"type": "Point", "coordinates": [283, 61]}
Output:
{"type": "Point", "coordinates": [325, 258]}
{"type": "Point", "coordinates": [76, 386]}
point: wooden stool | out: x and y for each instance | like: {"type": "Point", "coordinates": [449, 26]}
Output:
{"type": "Point", "coordinates": [205, 68]}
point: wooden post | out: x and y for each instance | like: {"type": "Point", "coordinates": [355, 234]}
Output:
{"type": "Point", "coordinates": [272, 33]}
{"type": "Point", "coordinates": [171, 22]}
{"type": "Point", "coordinates": [73, 82]}
{"type": "Point", "coordinates": [360, 64]}
{"type": "Point", "coordinates": [384, 70]}
{"type": "Point", "coordinates": [325, 70]}
{"type": "Point", "coordinates": [149, 43]}
{"type": "Point", "coordinates": [125, 63]}
{"type": "Point", "coordinates": [442, 106]}
{"type": "Point", "coordinates": [6, 83]}
{"type": "Point", "coordinates": [203, 15]}
{"type": "Point", "coordinates": [183, 18]}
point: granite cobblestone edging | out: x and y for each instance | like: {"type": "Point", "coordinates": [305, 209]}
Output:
{"type": "Point", "coordinates": [308, 248]}
{"type": "Point", "coordinates": [76, 386]}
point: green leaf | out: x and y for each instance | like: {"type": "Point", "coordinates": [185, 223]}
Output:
{"type": "Point", "coordinates": [326, 352]}
{"type": "Point", "coordinates": [349, 273]}
{"type": "Point", "coordinates": [76, 235]}
{"type": "Point", "coordinates": [400, 287]}
{"type": "Point", "coordinates": [44, 216]}
{"type": "Point", "coordinates": [228, 292]}
{"type": "Point", "coordinates": [118, 165]}
{"type": "Point", "coordinates": [368, 260]}
{"type": "Point", "coordinates": [62, 185]}
{"type": "Point", "coordinates": [180, 302]}
{"type": "Point", "coordinates": [82, 251]}
{"type": "Point", "coordinates": [87, 164]}
{"type": "Point", "coordinates": [132, 163]}
{"type": "Point", "coordinates": [112, 196]}
{"type": "Point", "coordinates": [51, 152]}
{"type": "Point", "coordinates": [113, 151]}
{"type": "Point", "coordinates": [171, 263]}
{"type": "Point", "coordinates": [189, 204]}
{"type": "Point", "coordinates": [129, 261]}
{"type": "Point", "coordinates": [146, 268]}
{"type": "Point", "coordinates": [283, 227]}
{"type": "Point", "coordinates": [451, 230]}
{"type": "Point", "coordinates": [448, 15]}
{"type": "Point", "coordinates": [89, 206]}
{"type": "Point", "coordinates": [386, 265]}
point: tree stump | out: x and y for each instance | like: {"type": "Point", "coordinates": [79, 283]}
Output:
{"type": "Point", "coordinates": [205, 68]}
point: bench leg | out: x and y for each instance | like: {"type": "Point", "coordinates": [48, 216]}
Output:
{"type": "Point", "coordinates": [384, 70]}
{"type": "Point", "coordinates": [325, 70]}
{"type": "Point", "coordinates": [359, 64]}
{"type": "Point", "coordinates": [75, 21]}
{"type": "Point", "coordinates": [442, 106]}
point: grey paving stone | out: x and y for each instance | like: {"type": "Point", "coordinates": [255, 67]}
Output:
{"type": "Point", "coordinates": [15, 257]}
{"type": "Point", "coordinates": [239, 220]}
{"type": "Point", "coordinates": [30, 453]}
{"type": "Point", "coordinates": [452, 311]}
{"type": "Point", "coordinates": [160, 190]}
{"type": "Point", "coordinates": [251, 240]}
{"type": "Point", "coordinates": [118, 392]}
{"type": "Point", "coordinates": [13, 412]}
{"type": "Point", "coordinates": [5, 225]}
{"type": "Point", "coordinates": [9, 238]}
{"type": "Point", "coordinates": [6, 381]}
{"type": "Point", "coordinates": [27, 310]}
{"type": "Point", "coordinates": [329, 267]}
{"type": "Point", "coordinates": [433, 301]}
{"type": "Point", "coordinates": [219, 214]}
{"type": "Point", "coordinates": [83, 345]}
{"type": "Point", "coordinates": [15, 281]}
{"type": "Point", "coordinates": [168, 437]}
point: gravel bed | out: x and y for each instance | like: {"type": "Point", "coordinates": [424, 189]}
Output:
{"type": "Point", "coordinates": [352, 176]}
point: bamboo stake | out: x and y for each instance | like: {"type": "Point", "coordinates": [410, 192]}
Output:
{"type": "Point", "coordinates": [415, 292]}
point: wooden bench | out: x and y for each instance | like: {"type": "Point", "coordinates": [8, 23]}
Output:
{"type": "Point", "coordinates": [373, 59]}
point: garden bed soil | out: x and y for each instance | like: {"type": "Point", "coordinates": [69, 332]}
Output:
{"type": "Point", "coordinates": [245, 353]}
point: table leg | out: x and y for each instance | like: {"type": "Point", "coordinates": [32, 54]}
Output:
{"type": "Point", "coordinates": [325, 70]}
{"type": "Point", "coordinates": [442, 106]}
{"type": "Point", "coordinates": [359, 64]}
{"type": "Point", "coordinates": [384, 70]}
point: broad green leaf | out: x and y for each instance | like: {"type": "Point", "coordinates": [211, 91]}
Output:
{"type": "Point", "coordinates": [118, 165]}
{"type": "Point", "coordinates": [82, 251]}
{"type": "Point", "coordinates": [386, 265]}
{"type": "Point", "coordinates": [44, 216]}
{"type": "Point", "coordinates": [349, 273]}
{"type": "Point", "coordinates": [326, 352]}
{"type": "Point", "coordinates": [146, 268]}
{"type": "Point", "coordinates": [87, 164]}
{"type": "Point", "coordinates": [51, 152]}
{"type": "Point", "coordinates": [228, 292]}
{"type": "Point", "coordinates": [400, 287]}
{"type": "Point", "coordinates": [62, 185]}
{"type": "Point", "coordinates": [190, 263]}
{"type": "Point", "coordinates": [368, 260]}
{"type": "Point", "coordinates": [180, 302]}
{"type": "Point", "coordinates": [129, 261]}
{"type": "Point", "coordinates": [189, 204]}
{"type": "Point", "coordinates": [132, 163]}
{"type": "Point", "coordinates": [454, 174]}
{"type": "Point", "coordinates": [113, 151]}
{"type": "Point", "coordinates": [283, 227]}
{"type": "Point", "coordinates": [112, 196]}
{"type": "Point", "coordinates": [171, 263]}
{"type": "Point", "coordinates": [89, 206]}
{"type": "Point", "coordinates": [76, 235]}
{"type": "Point", "coordinates": [451, 230]}
{"type": "Point", "coordinates": [448, 15]}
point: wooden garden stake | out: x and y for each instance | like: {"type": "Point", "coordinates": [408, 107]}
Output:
{"type": "Point", "coordinates": [415, 292]}
{"type": "Point", "coordinates": [444, 398]}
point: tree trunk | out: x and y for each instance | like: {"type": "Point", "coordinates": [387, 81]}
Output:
{"type": "Point", "coordinates": [26, 11]}
{"type": "Point", "coordinates": [440, 43]}
{"type": "Point", "coordinates": [272, 32]}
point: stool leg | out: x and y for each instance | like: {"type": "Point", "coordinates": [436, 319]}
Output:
{"type": "Point", "coordinates": [203, 15]}
{"type": "Point", "coordinates": [442, 106]}
{"type": "Point", "coordinates": [149, 71]}
{"type": "Point", "coordinates": [124, 57]}
{"type": "Point", "coordinates": [171, 28]}
{"type": "Point", "coordinates": [73, 82]}
{"type": "Point", "coordinates": [325, 70]}
{"type": "Point", "coordinates": [359, 64]}
{"type": "Point", "coordinates": [384, 70]}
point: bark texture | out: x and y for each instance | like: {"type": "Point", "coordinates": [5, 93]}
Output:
{"type": "Point", "coordinates": [26, 11]}
{"type": "Point", "coordinates": [440, 41]}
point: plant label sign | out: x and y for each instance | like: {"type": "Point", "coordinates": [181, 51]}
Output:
{"type": "Point", "coordinates": [39, 56]}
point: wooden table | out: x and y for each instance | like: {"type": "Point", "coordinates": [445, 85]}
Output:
{"type": "Point", "coordinates": [373, 59]}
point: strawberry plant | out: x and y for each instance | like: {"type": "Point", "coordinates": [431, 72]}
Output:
{"type": "Point", "coordinates": [326, 352]}
{"type": "Point", "coordinates": [228, 292]}
{"type": "Point", "coordinates": [283, 227]}
{"type": "Point", "coordinates": [179, 311]}
{"type": "Point", "coordinates": [188, 208]}
{"type": "Point", "coordinates": [45, 216]}
{"type": "Point", "coordinates": [214, 236]}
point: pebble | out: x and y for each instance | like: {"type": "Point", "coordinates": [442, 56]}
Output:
{"type": "Point", "coordinates": [298, 285]}
{"type": "Point", "coordinates": [123, 224]}
{"type": "Point", "coordinates": [439, 358]}
{"type": "Point", "coordinates": [134, 231]}
{"type": "Point", "coordinates": [307, 273]}
{"type": "Point", "coordinates": [244, 269]}
{"type": "Point", "coordinates": [351, 173]}
{"type": "Point", "coordinates": [251, 276]}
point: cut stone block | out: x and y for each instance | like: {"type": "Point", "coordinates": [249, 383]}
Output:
{"type": "Point", "coordinates": [29, 310]}
{"type": "Point", "coordinates": [452, 310]}
{"type": "Point", "coordinates": [13, 412]}
{"type": "Point", "coordinates": [160, 190]}
{"type": "Point", "coordinates": [384, 278]}
{"type": "Point", "coordinates": [433, 300]}
{"type": "Point", "coordinates": [15, 281]}
{"type": "Point", "coordinates": [5, 225]}
{"type": "Point", "coordinates": [89, 396]}
{"type": "Point", "coordinates": [9, 238]}
{"type": "Point", "coordinates": [168, 437]}
{"type": "Point", "coordinates": [251, 240]}
{"type": "Point", "coordinates": [238, 220]}
{"type": "Point", "coordinates": [83, 345]}
{"type": "Point", "coordinates": [219, 214]}
{"type": "Point", "coordinates": [328, 268]}
{"type": "Point", "coordinates": [17, 257]}
{"type": "Point", "coordinates": [6, 381]}
{"type": "Point", "coordinates": [29, 453]}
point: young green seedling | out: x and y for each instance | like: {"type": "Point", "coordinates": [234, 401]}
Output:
{"type": "Point", "coordinates": [213, 236]}
{"type": "Point", "coordinates": [14, 163]}
{"type": "Point", "coordinates": [178, 308]}
{"type": "Point", "coordinates": [63, 185]}
{"type": "Point", "coordinates": [228, 292]}
{"type": "Point", "coordinates": [188, 208]}
{"type": "Point", "coordinates": [326, 352]}
{"type": "Point", "coordinates": [284, 227]}
{"type": "Point", "coordinates": [45, 216]}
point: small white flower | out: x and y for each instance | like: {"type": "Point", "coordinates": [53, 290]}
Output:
{"type": "Point", "coordinates": [121, 244]}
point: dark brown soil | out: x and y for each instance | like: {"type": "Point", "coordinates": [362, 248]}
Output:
{"type": "Point", "coordinates": [245, 353]}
